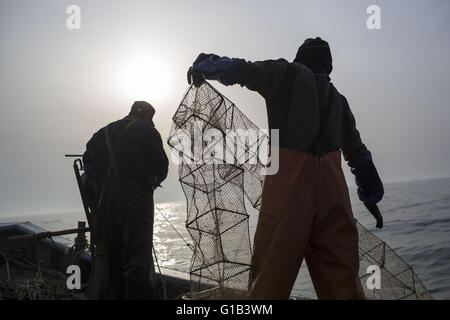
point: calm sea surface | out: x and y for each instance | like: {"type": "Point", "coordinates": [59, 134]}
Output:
{"type": "Point", "coordinates": [417, 227]}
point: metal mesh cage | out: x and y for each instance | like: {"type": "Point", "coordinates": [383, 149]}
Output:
{"type": "Point", "coordinates": [398, 279]}
{"type": "Point", "coordinates": [217, 219]}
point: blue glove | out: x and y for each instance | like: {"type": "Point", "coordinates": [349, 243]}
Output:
{"type": "Point", "coordinates": [370, 187]}
{"type": "Point", "coordinates": [213, 67]}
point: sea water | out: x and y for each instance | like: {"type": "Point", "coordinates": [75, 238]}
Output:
{"type": "Point", "coordinates": [416, 226]}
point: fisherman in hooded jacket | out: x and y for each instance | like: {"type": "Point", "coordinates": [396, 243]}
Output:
{"type": "Point", "coordinates": [305, 210]}
{"type": "Point", "coordinates": [125, 162]}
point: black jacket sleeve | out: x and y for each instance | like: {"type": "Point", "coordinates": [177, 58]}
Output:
{"type": "Point", "coordinates": [265, 77]}
{"type": "Point", "coordinates": [154, 152]}
{"type": "Point", "coordinates": [353, 146]}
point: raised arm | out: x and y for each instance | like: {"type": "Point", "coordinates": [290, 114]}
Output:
{"type": "Point", "coordinates": [265, 77]}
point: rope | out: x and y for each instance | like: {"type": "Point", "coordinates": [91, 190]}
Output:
{"type": "Point", "coordinates": [173, 227]}
{"type": "Point", "coordinates": [154, 251]}
{"type": "Point", "coordinates": [160, 273]}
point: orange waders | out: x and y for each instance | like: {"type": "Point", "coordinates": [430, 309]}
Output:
{"type": "Point", "coordinates": [306, 212]}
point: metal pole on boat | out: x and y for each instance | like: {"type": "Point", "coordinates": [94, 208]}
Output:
{"type": "Point", "coordinates": [48, 234]}
{"type": "Point", "coordinates": [73, 155]}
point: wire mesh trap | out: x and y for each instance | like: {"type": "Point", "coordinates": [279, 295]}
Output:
{"type": "Point", "coordinates": [398, 281]}
{"type": "Point", "coordinates": [217, 219]}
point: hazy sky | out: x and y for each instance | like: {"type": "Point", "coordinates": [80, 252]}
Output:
{"type": "Point", "coordinates": [58, 86]}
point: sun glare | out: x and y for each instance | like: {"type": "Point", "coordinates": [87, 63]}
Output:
{"type": "Point", "coordinates": [145, 79]}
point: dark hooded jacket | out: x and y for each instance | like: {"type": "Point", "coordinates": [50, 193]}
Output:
{"type": "Point", "coordinates": [138, 153]}
{"type": "Point", "coordinates": [310, 113]}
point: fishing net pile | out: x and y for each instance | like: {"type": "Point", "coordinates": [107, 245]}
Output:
{"type": "Point", "coordinates": [33, 289]}
{"type": "Point", "coordinates": [215, 191]}
{"type": "Point", "coordinates": [20, 279]}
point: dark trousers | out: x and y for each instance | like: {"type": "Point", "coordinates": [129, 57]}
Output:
{"type": "Point", "coordinates": [126, 233]}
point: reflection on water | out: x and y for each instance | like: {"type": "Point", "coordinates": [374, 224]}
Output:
{"type": "Point", "coordinates": [172, 250]}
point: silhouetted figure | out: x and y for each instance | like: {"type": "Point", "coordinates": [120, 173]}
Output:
{"type": "Point", "coordinates": [305, 210]}
{"type": "Point", "coordinates": [125, 161]}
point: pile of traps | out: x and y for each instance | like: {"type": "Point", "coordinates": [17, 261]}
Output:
{"type": "Point", "coordinates": [216, 191]}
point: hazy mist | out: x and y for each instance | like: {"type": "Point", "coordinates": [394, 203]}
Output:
{"type": "Point", "coordinates": [58, 86]}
